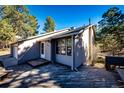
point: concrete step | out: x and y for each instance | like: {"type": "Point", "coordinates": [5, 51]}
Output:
{"type": "Point", "coordinates": [10, 61]}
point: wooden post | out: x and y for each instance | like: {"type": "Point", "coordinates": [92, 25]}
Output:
{"type": "Point", "coordinates": [90, 47]}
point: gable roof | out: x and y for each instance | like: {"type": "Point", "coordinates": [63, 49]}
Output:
{"type": "Point", "coordinates": [56, 34]}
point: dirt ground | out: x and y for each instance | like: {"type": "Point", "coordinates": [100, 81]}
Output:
{"type": "Point", "coordinates": [4, 52]}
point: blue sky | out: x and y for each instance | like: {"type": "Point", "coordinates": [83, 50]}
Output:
{"type": "Point", "coordinates": [69, 15]}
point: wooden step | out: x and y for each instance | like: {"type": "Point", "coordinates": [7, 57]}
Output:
{"type": "Point", "coordinates": [39, 62]}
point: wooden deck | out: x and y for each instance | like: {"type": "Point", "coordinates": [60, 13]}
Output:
{"type": "Point", "coordinates": [38, 62]}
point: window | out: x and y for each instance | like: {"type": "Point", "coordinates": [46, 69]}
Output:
{"type": "Point", "coordinates": [63, 50]}
{"type": "Point", "coordinates": [58, 48]}
{"type": "Point", "coordinates": [64, 46]}
{"type": "Point", "coordinates": [42, 48]}
{"type": "Point", "coordinates": [61, 46]}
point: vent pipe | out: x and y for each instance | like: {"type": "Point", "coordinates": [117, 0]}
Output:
{"type": "Point", "coordinates": [89, 21]}
{"type": "Point", "coordinates": [72, 28]}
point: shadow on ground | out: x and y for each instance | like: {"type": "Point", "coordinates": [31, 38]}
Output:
{"type": "Point", "coordinates": [55, 75]}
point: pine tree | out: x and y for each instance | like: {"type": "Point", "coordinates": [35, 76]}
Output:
{"type": "Point", "coordinates": [49, 25]}
{"type": "Point", "coordinates": [111, 28]}
{"type": "Point", "coordinates": [16, 21]}
{"type": "Point", "coordinates": [22, 22]}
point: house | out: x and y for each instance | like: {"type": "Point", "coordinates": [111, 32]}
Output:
{"type": "Point", "coordinates": [71, 47]}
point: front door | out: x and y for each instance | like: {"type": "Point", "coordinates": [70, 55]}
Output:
{"type": "Point", "coordinates": [42, 50]}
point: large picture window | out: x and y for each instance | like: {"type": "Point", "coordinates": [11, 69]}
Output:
{"type": "Point", "coordinates": [64, 46]}
{"type": "Point", "coordinates": [61, 46]}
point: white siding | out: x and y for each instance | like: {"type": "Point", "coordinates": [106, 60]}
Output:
{"type": "Point", "coordinates": [23, 47]}
{"type": "Point", "coordinates": [64, 59]}
{"type": "Point", "coordinates": [48, 50]}
{"type": "Point", "coordinates": [82, 48]}
{"type": "Point", "coordinates": [85, 39]}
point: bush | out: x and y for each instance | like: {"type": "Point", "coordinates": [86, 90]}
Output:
{"type": "Point", "coordinates": [100, 60]}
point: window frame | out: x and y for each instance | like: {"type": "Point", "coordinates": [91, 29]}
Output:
{"type": "Point", "coordinates": [42, 48]}
{"type": "Point", "coordinates": [66, 45]}
{"type": "Point", "coordinates": [69, 45]}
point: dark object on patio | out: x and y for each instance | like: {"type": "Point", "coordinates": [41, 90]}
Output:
{"type": "Point", "coordinates": [111, 62]}
{"type": "Point", "coordinates": [38, 62]}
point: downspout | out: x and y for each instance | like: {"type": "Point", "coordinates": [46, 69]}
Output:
{"type": "Point", "coordinates": [73, 54]}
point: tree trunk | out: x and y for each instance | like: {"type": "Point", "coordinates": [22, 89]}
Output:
{"type": "Point", "coordinates": [113, 52]}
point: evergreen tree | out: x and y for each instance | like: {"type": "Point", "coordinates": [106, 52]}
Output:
{"type": "Point", "coordinates": [112, 22]}
{"type": "Point", "coordinates": [49, 25]}
{"type": "Point", "coordinates": [22, 22]}
{"type": "Point", "coordinates": [111, 28]}
{"type": "Point", "coordinates": [6, 33]}
{"type": "Point", "coordinates": [16, 21]}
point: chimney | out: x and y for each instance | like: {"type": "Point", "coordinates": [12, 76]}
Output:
{"type": "Point", "coordinates": [89, 21]}
{"type": "Point", "coordinates": [71, 28]}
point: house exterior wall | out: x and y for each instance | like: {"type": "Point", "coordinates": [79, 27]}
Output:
{"type": "Point", "coordinates": [32, 53]}
{"type": "Point", "coordinates": [28, 50]}
{"type": "Point", "coordinates": [85, 38]}
{"type": "Point", "coordinates": [65, 59]}
{"type": "Point", "coordinates": [81, 48]}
